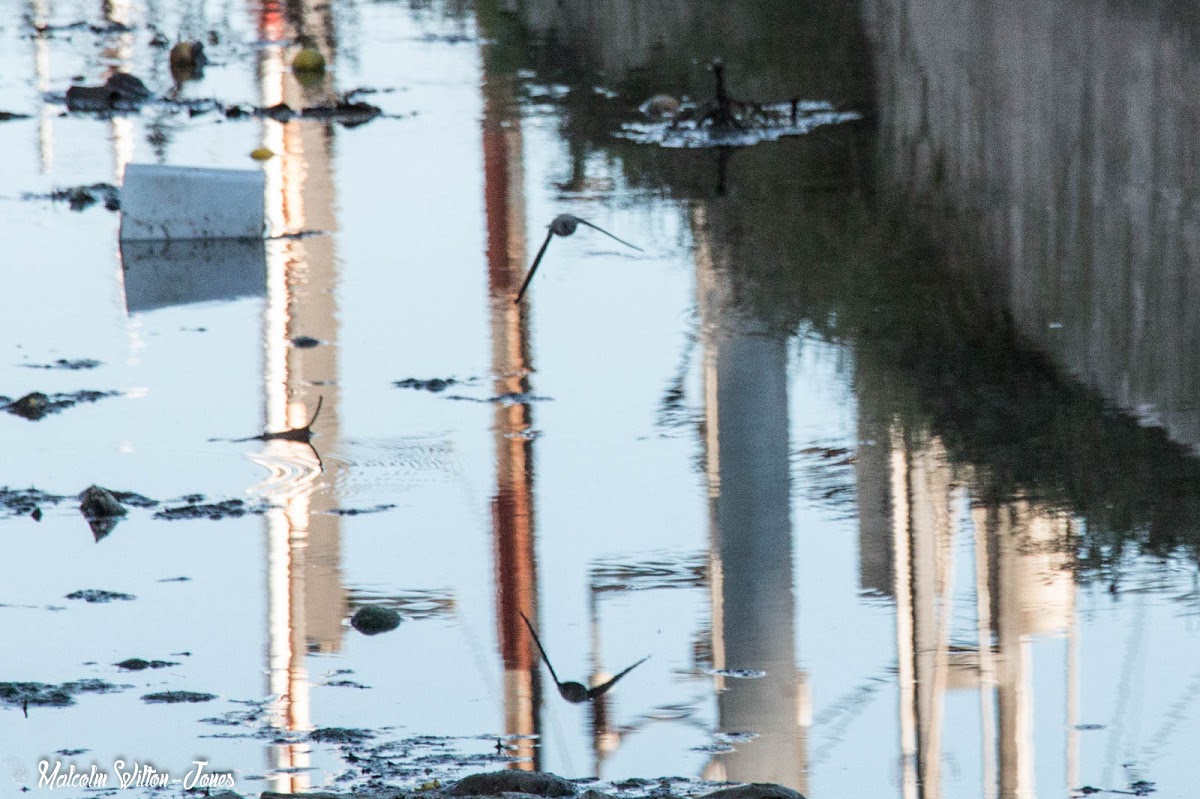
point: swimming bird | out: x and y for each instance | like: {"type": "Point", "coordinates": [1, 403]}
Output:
{"type": "Point", "coordinates": [575, 692]}
{"type": "Point", "coordinates": [563, 225]}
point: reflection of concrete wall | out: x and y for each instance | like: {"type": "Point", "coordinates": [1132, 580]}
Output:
{"type": "Point", "coordinates": [1056, 145]}
{"type": "Point", "coordinates": [773, 50]}
{"type": "Point", "coordinates": [749, 482]}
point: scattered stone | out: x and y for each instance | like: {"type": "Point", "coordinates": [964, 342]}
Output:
{"type": "Point", "coordinates": [36, 514]}
{"type": "Point", "coordinates": [96, 595]}
{"type": "Point", "coordinates": [373, 620]}
{"type": "Point", "coordinates": [538, 783]}
{"type": "Point", "coordinates": [435, 384]}
{"type": "Point", "coordinates": [137, 664]}
{"type": "Point", "coordinates": [305, 342]}
{"type": "Point", "coordinates": [340, 735]}
{"type": "Point", "coordinates": [228, 509]}
{"type": "Point", "coordinates": [756, 790]}
{"type": "Point", "coordinates": [349, 114]}
{"type": "Point", "coordinates": [5, 116]}
{"type": "Point", "coordinates": [176, 697]}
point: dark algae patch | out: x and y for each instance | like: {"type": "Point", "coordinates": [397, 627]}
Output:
{"type": "Point", "coordinates": [227, 509]}
{"type": "Point", "coordinates": [177, 697]}
{"type": "Point", "coordinates": [96, 595]}
{"type": "Point", "coordinates": [30, 694]}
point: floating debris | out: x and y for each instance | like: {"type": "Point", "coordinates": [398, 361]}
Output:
{"type": "Point", "coordinates": [713, 748]}
{"type": "Point", "coordinates": [5, 116]}
{"type": "Point", "coordinates": [97, 595]}
{"type": "Point", "coordinates": [776, 123]}
{"type": "Point", "coordinates": [22, 501]}
{"type": "Point", "coordinates": [305, 342]}
{"type": "Point", "coordinates": [187, 61]}
{"type": "Point", "coordinates": [309, 60]}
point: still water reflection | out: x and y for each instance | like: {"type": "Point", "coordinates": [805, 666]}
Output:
{"type": "Point", "coordinates": [882, 450]}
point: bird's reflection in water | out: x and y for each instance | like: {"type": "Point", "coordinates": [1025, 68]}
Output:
{"type": "Point", "coordinates": [575, 692]}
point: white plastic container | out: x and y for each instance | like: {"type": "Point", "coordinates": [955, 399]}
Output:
{"type": "Point", "coordinates": [164, 203]}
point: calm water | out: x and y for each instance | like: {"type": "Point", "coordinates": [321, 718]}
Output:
{"type": "Point", "coordinates": [882, 450]}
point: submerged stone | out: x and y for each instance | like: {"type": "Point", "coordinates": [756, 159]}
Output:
{"type": "Point", "coordinates": [537, 783]}
{"type": "Point", "coordinates": [755, 790]}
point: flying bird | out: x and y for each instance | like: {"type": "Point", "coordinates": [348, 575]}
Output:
{"type": "Point", "coordinates": [575, 692]}
{"type": "Point", "coordinates": [563, 225]}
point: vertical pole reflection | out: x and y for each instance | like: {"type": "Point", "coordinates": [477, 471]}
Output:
{"type": "Point", "coordinates": [306, 601]}
{"type": "Point", "coordinates": [745, 389]}
{"type": "Point", "coordinates": [512, 506]}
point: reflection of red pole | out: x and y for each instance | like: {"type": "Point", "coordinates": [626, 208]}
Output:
{"type": "Point", "coordinates": [512, 505]}
{"type": "Point", "coordinates": [272, 23]}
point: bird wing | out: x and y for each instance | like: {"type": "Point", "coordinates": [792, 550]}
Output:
{"type": "Point", "coordinates": [611, 236]}
{"type": "Point", "coordinates": [600, 690]}
{"type": "Point", "coordinates": [536, 260]}
{"type": "Point", "coordinates": [542, 649]}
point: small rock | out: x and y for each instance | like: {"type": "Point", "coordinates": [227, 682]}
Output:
{"type": "Point", "coordinates": [99, 503]}
{"type": "Point", "coordinates": [340, 735]}
{"type": "Point", "coordinates": [33, 406]}
{"type": "Point", "coordinates": [137, 664]}
{"type": "Point", "coordinates": [538, 783]}
{"type": "Point", "coordinates": [372, 620]}
{"type": "Point", "coordinates": [305, 342]}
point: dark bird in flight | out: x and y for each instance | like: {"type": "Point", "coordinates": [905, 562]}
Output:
{"type": "Point", "coordinates": [575, 692]}
{"type": "Point", "coordinates": [563, 225]}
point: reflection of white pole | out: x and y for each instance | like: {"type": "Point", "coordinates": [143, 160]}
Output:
{"type": "Point", "coordinates": [987, 667]}
{"type": "Point", "coordinates": [41, 65]}
{"type": "Point", "coordinates": [904, 620]}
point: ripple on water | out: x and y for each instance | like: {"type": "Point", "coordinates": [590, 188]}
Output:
{"type": "Point", "coordinates": [372, 467]}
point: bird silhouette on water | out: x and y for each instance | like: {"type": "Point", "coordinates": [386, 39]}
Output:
{"type": "Point", "coordinates": [563, 225]}
{"type": "Point", "coordinates": [573, 691]}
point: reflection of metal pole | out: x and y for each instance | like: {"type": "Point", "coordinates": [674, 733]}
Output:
{"type": "Point", "coordinates": [749, 511]}
{"type": "Point", "coordinates": [39, 13]}
{"type": "Point", "coordinates": [512, 505]}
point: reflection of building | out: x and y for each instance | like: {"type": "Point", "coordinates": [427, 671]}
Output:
{"type": "Point", "coordinates": [746, 448]}
{"type": "Point", "coordinates": [306, 600]}
{"type": "Point", "coordinates": [1023, 587]}
{"type": "Point", "coordinates": [512, 505]}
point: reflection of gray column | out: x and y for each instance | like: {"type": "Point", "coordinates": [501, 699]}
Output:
{"type": "Point", "coordinates": [746, 408]}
